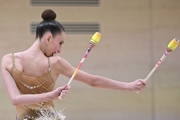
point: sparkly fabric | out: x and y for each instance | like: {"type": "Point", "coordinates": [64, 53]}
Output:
{"type": "Point", "coordinates": [29, 84]}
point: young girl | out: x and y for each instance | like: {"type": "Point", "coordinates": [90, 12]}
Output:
{"type": "Point", "coordinates": [30, 75]}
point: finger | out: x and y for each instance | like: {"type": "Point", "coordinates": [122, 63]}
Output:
{"type": "Point", "coordinates": [139, 88]}
{"type": "Point", "coordinates": [67, 87]}
{"type": "Point", "coordinates": [139, 83]}
{"type": "Point", "coordinates": [60, 97]}
{"type": "Point", "coordinates": [62, 87]}
{"type": "Point", "coordinates": [143, 82]}
{"type": "Point", "coordinates": [143, 86]}
{"type": "Point", "coordinates": [64, 92]}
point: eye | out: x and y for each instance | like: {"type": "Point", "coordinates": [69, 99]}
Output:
{"type": "Point", "coordinates": [61, 42]}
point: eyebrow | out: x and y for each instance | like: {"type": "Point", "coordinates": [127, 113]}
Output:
{"type": "Point", "coordinates": [61, 41]}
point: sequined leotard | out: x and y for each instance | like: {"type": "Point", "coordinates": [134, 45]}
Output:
{"type": "Point", "coordinates": [29, 84]}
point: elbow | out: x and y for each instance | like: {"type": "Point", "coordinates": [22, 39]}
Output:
{"type": "Point", "coordinates": [95, 82]}
{"type": "Point", "coordinates": [15, 100]}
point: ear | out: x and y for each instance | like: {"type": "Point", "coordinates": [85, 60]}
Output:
{"type": "Point", "coordinates": [48, 38]}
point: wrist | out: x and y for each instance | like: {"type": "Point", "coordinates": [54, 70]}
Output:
{"type": "Point", "coordinates": [129, 88]}
{"type": "Point", "coordinates": [50, 95]}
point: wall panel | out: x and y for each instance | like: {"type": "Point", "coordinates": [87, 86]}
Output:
{"type": "Point", "coordinates": [134, 36]}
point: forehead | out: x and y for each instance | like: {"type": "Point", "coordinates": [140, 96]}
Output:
{"type": "Point", "coordinates": [60, 37]}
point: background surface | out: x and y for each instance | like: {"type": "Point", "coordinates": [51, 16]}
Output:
{"type": "Point", "coordinates": [135, 34]}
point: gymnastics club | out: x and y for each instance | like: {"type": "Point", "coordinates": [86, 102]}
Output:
{"type": "Point", "coordinates": [171, 46]}
{"type": "Point", "coordinates": [93, 42]}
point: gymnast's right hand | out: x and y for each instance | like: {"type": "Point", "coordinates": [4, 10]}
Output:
{"type": "Point", "coordinates": [60, 91]}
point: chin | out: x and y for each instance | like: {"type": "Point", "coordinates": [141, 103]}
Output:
{"type": "Point", "coordinates": [48, 55]}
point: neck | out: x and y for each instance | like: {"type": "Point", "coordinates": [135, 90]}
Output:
{"type": "Point", "coordinates": [36, 49]}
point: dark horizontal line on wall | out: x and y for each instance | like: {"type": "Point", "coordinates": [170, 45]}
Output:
{"type": "Point", "coordinates": [73, 28]}
{"type": "Point", "coordinates": [64, 2]}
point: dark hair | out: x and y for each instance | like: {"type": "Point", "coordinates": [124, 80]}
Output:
{"type": "Point", "coordinates": [48, 24]}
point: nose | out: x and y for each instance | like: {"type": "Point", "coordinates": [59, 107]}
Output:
{"type": "Point", "coordinates": [59, 49]}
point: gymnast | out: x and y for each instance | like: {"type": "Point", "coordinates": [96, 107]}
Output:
{"type": "Point", "coordinates": [30, 76]}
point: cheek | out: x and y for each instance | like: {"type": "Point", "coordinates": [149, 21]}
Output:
{"type": "Point", "coordinates": [51, 47]}
{"type": "Point", "coordinates": [56, 46]}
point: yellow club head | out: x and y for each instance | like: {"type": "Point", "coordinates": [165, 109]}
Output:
{"type": "Point", "coordinates": [95, 38]}
{"type": "Point", "coordinates": [173, 44]}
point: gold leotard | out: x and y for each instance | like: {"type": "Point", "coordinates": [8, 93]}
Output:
{"type": "Point", "coordinates": [29, 84]}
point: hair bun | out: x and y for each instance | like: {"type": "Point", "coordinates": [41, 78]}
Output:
{"type": "Point", "coordinates": [48, 14]}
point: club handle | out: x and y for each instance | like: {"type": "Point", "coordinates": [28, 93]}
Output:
{"type": "Point", "coordinates": [171, 46]}
{"type": "Point", "coordinates": [78, 67]}
{"type": "Point", "coordinates": [156, 66]}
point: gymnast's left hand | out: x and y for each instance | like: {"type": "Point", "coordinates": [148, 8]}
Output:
{"type": "Point", "coordinates": [137, 85]}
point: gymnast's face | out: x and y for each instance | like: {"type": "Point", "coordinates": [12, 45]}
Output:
{"type": "Point", "coordinates": [54, 43]}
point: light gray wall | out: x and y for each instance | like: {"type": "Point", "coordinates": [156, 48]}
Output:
{"type": "Point", "coordinates": [135, 34]}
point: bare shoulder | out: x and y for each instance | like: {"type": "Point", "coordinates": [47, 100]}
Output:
{"type": "Point", "coordinates": [61, 66]}
{"type": "Point", "coordinates": [6, 58]}
{"type": "Point", "coordinates": [57, 60]}
{"type": "Point", "coordinates": [6, 61]}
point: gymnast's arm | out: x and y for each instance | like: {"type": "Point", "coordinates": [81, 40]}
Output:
{"type": "Point", "coordinates": [63, 67]}
{"type": "Point", "coordinates": [25, 99]}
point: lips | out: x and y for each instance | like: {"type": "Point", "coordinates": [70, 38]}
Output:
{"type": "Point", "coordinates": [54, 53]}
